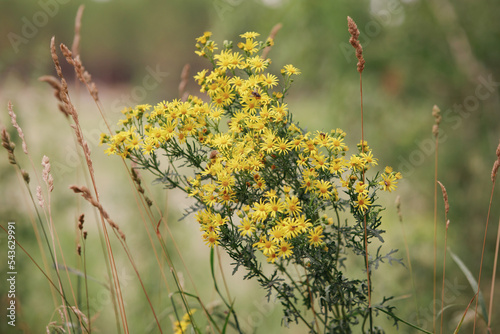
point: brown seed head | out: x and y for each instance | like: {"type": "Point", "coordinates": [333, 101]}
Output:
{"type": "Point", "coordinates": [436, 112]}
{"type": "Point", "coordinates": [81, 220]}
{"type": "Point", "coordinates": [354, 31]}
{"type": "Point", "coordinates": [445, 197]}
{"type": "Point", "coordinates": [435, 130]}
{"type": "Point", "coordinates": [494, 171]}
{"type": "Point", "coordinates": [9, 146]}
{"type": "Point", "coordinates": [498, 151]}
{"type": "Point", "coordinates": [6, 143]}
{"type": "Point", "coordinates": [85, 192]}
{"type": "Point", "coordinates": [47, 177]}
{"type": "Point", "coordinates": [26, 176]}
{"type": "Point", "coordinates": [39, 196]}
{"type": "Point", "coordinates": [13, 119]}
{"type": "Point", "coordinates": [496, 165]}
{"type": "Point", "coordinates": [58, 91]}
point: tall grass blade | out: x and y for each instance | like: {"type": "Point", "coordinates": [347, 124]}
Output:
{"type": "Point", "coordinates": [472, 282]}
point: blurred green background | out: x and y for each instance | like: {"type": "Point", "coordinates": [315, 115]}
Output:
{"type": "Point", "coordinates": [418, 53]}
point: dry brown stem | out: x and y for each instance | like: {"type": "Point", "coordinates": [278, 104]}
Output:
{"type": "Point", "coordinates": [85, 192]}
{"type": "Point", "coordinates": [75, 47]}
{"type": "Point", "coordinates": [184, 81]}
{"type": "Point", "coordinates": [271, 37]}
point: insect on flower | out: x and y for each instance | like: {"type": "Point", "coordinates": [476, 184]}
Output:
{"type": "Point", "coordinates": [256, 94]}
{"type": "Point", "coordinates": [213, 154]}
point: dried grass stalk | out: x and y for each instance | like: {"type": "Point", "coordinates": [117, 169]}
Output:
{"type": "Point", "coordinates": [354, 31]}
{"type": "Point", "coordinates": [436, 112]}
{"type": "Point", "coordinates": [68, 105]}
{"type": "Point", "coordinates": [39, 196]}
{"type": "Point", "coordinates": [75, 47]}
{"type": "Point", "coordinates": [46, 176]}
{"type": "Point", "coordinates": [184, 81]}
{"type": "Point", "coordinates": [496, 165]}
{"type": "Point", "coordinates": [9, 146]}
{"type": "Point", "coordinates": [80, 71]}
{"type": "Point", "coordinates": [271, 37]}
{"type": "Point", "coordinates": [13, 118]}
{"type": "Point", "coordinates": [445, 197]}
{"type": "Point", "coordinates": [56, 84]}
{"type": "Point", "coordinates": [85, 192]}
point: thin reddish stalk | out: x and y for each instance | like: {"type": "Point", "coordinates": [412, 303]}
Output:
{"type": "Point", "coordinates": [69, 107]}
{"type": "Point", "coordinates": [435, 131]}
{"type": "Point", "coordinates": [446, 210]}
{"type": "Point", "coordinates": [364, 221]}
{"type": "Point", "coordinates": [494, 171]}
{"type": "Point", "coordinates": [354, 31]}
{"type": "Point", "coordinates": [434, 285]}
{"type": "Point", "coordinates": [444, 273]}
{"type": "Point", "coordinates": [482, 254]}
{"type": "Point", "coordinates": [493, 278]}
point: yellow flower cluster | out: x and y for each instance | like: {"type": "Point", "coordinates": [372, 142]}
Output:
{"type": "Point", "coordinates": [257, 163]}
{"type": "Point", "coordinates": [180, 327]}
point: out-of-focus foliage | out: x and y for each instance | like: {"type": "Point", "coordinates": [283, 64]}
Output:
{"type": "Point", "coordinates": [418, 53]}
